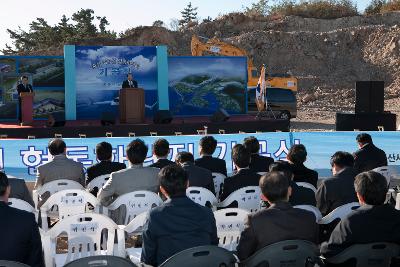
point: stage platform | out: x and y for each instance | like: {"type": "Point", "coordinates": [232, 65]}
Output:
{"type": "Point", "coordinates": [186, 126]}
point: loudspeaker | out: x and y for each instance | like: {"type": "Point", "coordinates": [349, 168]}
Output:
{"type": "Point", "coordinates": [365, 121]}
{"type": "Point", "coordinates": [220, 116]}
{"type": "Point", "coordinates": [369, 96]}
{"type": "Point", "coordinates": [107, 119]}
{"type": "Point", "coordinates": [56, 119]}
{"type": "Point", "coordinates": [162, 117]}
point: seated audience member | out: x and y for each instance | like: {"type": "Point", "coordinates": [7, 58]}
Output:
{"type": "Point", "coordinates": [368, 157]}
{"type": "Point", "coordinates": [244, 175]}
{"type": "Point", "coordinates": [300, 195]}
{"type": "Point", "coordinates": [338, 190]}
{"type": "Point", "coordinates": [277, 223]}
{"type": "Point", "coordinates": [179, 223]}
{"type": "Point", "coordinates": [19, 233]}
{"type": "Point", "coordinates": [105, 164]}
{"type": "Point", "coordinates": [258, 163]}
{"type": "Point", "coordinates": [207, 146]}
{"type": "Point", "coordinates": [161, 151]}
{"type": "Point", "coordinates": [297, 155]}
{"type": "Point", "coordinates": [19, 190]}
{"type": "Point", "coordinates": [373, 222]}
{"type": "Point", "coordinates": [197, 176]}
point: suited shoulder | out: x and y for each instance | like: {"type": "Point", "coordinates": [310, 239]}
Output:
{"type": "Point", "coordinates": [23, 216]}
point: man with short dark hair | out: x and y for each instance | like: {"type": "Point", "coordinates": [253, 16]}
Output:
{"type": "Point", "coordinates": [129, 82]}
{"type": "Point", "coordinates": [20, 238]}
{"type": "Point", "coordinates": [179, 223]}
{"type": "Point", "coordinates": [244, 175]}
{"type": "Point", "coordinates": [161, 151]}
{"type": "Point", "coordinates": [207, 147]}
{"type": "Point", "coordinates": [338, 190]}
{"type": "Point", "coordinates": [296, 156]}
{"type": "Point", "coordinates": [105, 164]}
{"type": "Point", "coordinates": [368, 157]}
{"type": "Point", "coordinates": [258, 163]}
{"type": "Point", "coordinates": [23, 87]}
{"type": "Point", "coordinates": [373, 222]}
{"type": "Point", "coordinates": [277, 223]}
{"type": "Point", "coordinates": [197, 176]}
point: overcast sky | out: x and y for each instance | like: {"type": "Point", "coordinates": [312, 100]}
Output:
{"type": "Point", "coordinates": [121, 14]}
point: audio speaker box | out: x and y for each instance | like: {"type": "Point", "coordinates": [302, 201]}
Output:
{"type": "Point", "coordinates": [107, 119]}
{"type": "Point", "coordinates": [365, 121]}
{"type": "Point", "coordinates": [369, 97]}
{"type": "Point", "coordinates": [220, 115]}
{"type": "Point", "coordinates": [56, 119]}
{"type": "Point", "coordinates": [162, 117]}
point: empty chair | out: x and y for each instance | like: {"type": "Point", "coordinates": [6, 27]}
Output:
{"type": "Point", "coordinates": [339, 212]}
{"type": "Point", "coordinates": [135, 203]}
{"type": "Point", "coordinates": [202, 196]}
{"type": "Point", "coordinates": [69, 202]}
{"type": "Point", "coordinates": [22, 205]}
{"type": "Point", "coordinates": [218, 182]}
{"type": "Point", "coordinates": [135, 227]}
{"type": "Point", "coordinates": [365, 255]}
{"type": "Point", "coordinates": [247, 198]}
{"type": "Point", "coordinates": [98, 182]}
{"type": "Point", "coordinates": [102, 260]}
{"type": "Point", "coordinates": [293, 253]}
{"type": "Point", "coordinates": [209, 256]}
{"type": "Point", "coordinates": [230, 223]}
{"type": "Point", "coordinates": [12, 264]}
{"type": "Point", "coordinates": [315, 210]}
{"type": "Point", "coordinates": [307, 185]}
{"type": "Point", "coordinates": [85, 233]}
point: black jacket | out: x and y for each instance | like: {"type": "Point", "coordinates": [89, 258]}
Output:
{"type": "Point", "coordinates": [260, 163]}
{"type": "Point", "coordinates": [368, 158]}
{"type": "Point", "coordinates": [303, 174]}
{"type": "Point", "coordinates": [212, 164]}
{"type": "Point", "coordinates": [277, 223]}
{"type": "Point", "coordinates": [177, 225]}
{"type": "Point", "coordinates": [199, 176]}
{"type": "Point", "coordinates": [19, 190]}
{"type": "Point", "coordinates": [301, 196]}
{"type": "Point", "coordinates": [125, 84]}
{"type": "Point", "coordinates": [161, 163]}
{"type": "Point", "coordinates": [24, 89]}
{"type": "Point", "coordinates": [367, 224]}
{"type": "Point", "coordinates": [20, 238]}
{"type": "Point", "coordinates": [336, 191]}
{"type": "Point", "coordinates": [243, 178]}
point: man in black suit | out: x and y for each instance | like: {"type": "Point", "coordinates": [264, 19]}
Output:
{"type": "Point", "coordinates": [296, 156]}
{"type": "Point", "coordinates": [105, 164]}
{"type": "Point", "coordinates": [20, 238]}
{"type": "Point", "coordinates": [179, 223]}
{"type": "Point", "coordinates": [207, 146]}
{"type": "Point", "coordinates": [23, 87]}
{"type": "Point", "coordinates": [244, 175]}
{"type": "Point", "coordinates": [258, 163]}
{"type": "Point", "coordinates": [19, 190]}
{"type": "Point", "coordinates": [130, 82]}
{"type": "Point", "coordinates": [368, 157]}
{"type": "Point", "coordinates": [198, 176]}
{"type": "Point", "coordinates": [339, 189]}
{"type": "Point", "coordinates": [161, 151]}
{"type": "Point", "coordinates": [277, 223]}
{"type": "Point", "coordinates": [373, 222]}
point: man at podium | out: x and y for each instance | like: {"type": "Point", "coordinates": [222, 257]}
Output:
{"type": "Point", "coordinates": [130, 82]}
{"type": "Point", "coordinates": [23, 87]}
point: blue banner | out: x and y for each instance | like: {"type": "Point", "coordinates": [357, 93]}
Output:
{"type": "Point", "coordinates": [20, 158]}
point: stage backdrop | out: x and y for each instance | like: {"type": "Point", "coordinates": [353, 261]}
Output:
{"type": "Point", "coordinates": [100, 71]}
{"type": "Point", "coordinates": [201, 85]}
{"type": "Point", "coordinates": [20, 158]}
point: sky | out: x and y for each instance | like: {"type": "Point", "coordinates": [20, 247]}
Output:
{"type": "Point", "coordinates": [122, 14]}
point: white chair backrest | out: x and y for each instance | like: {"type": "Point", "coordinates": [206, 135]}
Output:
{"type": "Point", "coordinates": [22, 205]}
{"type": "Point", "coordinates": [135, 226]}
{"type": "Point", "coordinates": [261, 173]}
{"type": "Point", "coordinates": [339, 212]}
{"type": "Point", "coordinates": [230, 224]}
{"type": "Point", "coordinates": [69, 202]}
{"type": "Point", "coordinates": [201, 196]}
{"type": "Point", "coordinates": [85, 231]}
{"type": "Point", "coordinates": [218, 182]}
{"type": "Point", "coordinates": [315, 210]}
{"type": "Point", "coordinates": [387, 172]}
{"type": "Point", "coordinates": [248, 198]}
{"type": "Point", "coordinates": [98, 182]}
{"type": "Point", "coordinates": [398, 201]}
{"type": "Point", "coordinates": [307, 185]}
{"type": "Point", "coordinates": [136, 203]}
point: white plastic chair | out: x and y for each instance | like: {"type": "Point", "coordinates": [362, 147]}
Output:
{"type": "Point", "coordinates": [261, 173]}
{"type": "Point", "coordinates": [202, 196]}
{"type": "Point", "coordinates": [398, 201]}
{"type": "Point", "coordinates": [230, 224]}
{"type": "Point", "coordinates": [248, 198]}
{"type": "Point", "coordinates": [315, 210]}
{"type": "Point", "coordinates": [98, 182]}
{"type": "Point", "coordinates": [54, 187]}
{"type": "Point", "coordinates": [22, 205]}
{"type": "Point", "coordinates": [69, 202]}
{"type": "Point", "coordinates": [136, 203]}
{"type": "Point", "coordinates": [307, 185]}
{"type": "Point", "coordinates": [386, 171]}
{"type": "Point", "coordinates": [339, 212]}
{"type": "Point", "coordinates": [135, 227]}
{"type": "Point", "coordinates": [84, 231]}
{"type": "Point", "coordinates": [218, 182]}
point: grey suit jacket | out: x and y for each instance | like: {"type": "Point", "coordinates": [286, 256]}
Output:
{"type": "Point", "coordinates": [20, 190]}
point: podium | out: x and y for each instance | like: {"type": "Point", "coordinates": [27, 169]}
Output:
{"type": "Point", "coordinates": [131, 105]}
{"type": "Point", "coordinates": [27, 107]}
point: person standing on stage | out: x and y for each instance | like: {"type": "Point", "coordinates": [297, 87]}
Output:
{"type": "Point", "coordinates": [130, 82]}
{"type": "Point", "coordinates": [23, 87]}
